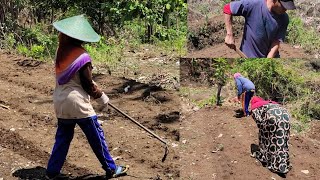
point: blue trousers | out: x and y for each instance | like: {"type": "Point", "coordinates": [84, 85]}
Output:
{"type": "Point", "coordinates": [246, 98]}
{"type": "Point", "coordinates": [64, 136]}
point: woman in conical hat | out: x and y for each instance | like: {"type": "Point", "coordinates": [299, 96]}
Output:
{"type": "Point", "coordinates": [71, 97]}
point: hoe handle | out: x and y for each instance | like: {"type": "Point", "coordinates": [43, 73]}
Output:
{"type": "Point", "coordinates": [137, 123]}
{"type": "Point", "coordinates": [240, 53]}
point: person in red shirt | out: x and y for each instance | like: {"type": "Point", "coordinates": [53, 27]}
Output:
{"type": "Point", "coordinates": [265, 27]}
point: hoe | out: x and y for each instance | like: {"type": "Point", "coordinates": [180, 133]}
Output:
{"type": "Point", "coordinates": [166, 151]}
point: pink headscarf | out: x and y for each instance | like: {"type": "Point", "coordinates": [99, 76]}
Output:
{"type": "Point", "coordinates": [236, 75]}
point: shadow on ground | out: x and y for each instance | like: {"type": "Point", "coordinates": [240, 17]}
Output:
{"type": "Point", "coordinates": [239, 113]}
{"type": "Point", "coordinates": [40, 172]}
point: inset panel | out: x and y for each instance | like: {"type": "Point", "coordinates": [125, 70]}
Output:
{"type": "Point", "coordinates": [258, 29]}
{"type": "Point", "coordinates": [218, 140]}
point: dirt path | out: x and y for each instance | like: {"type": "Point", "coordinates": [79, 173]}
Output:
{"type": "Point", "coordinates": [28, 127]}
{"type": "Point", "coordinates": [212, 129]}
{"type": "Point", "coordinates": [208, 40]}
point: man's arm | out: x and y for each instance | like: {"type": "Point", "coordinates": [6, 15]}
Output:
{"type": "Point", "coordinates": [229, 39]}
{"type": "Point", "coordinates": [235, 8]}
{"type": "Point", "coordinates": [274, 49]}
{"type": "Point", "coordinates": [275, 46]}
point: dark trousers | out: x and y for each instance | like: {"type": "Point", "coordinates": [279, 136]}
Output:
{"type": "Point", "coordinates": [64, 136]}
{"type": "Point", "coordinates": [246, 98]}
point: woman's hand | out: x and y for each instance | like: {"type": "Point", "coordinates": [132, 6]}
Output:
{"type": "Point", "coordinates": [234, 100]}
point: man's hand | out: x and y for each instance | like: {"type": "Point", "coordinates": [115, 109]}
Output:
{"type": "Point", "coordinates": [274, 49]}
{"type": "Point", "coordinates": [229, 41]}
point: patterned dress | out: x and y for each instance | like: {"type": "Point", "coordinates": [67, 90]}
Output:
{"type": "Point", "coordinates": [274, 130]}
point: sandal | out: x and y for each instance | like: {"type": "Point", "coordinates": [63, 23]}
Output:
{"type": "Point", "coordinates": [56, 177]}
{"type": "Point", "coordinates": [119, 171]}
{"type": "Point", "coordinates": [253, 154]}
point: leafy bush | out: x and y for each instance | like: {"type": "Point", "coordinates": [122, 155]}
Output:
{"type": "Point", "coordinates": [165, 39]}
{"type": "Point", "coordinates": [221, 66]}
{"type": "Point", "coordinates": [178, 44]}
{"type": "Point", "coordinates": [38, 35]}
{"type": "Point", "coordinates": [133, 32]}
{"type": "Point", "coordinates": [271, 79]}
{"type": "Point", "coordinates": [37, 51]}
{"type": "Point", "coordinates": [36, 43]}
{"type": "Point", "coordinates": [9, 41]}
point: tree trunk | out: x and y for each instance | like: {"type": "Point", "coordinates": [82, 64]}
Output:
{"type": "Point", "coordinates": [218, 95]}
{"type": "Point", "coordinates": [52, 12]}
{"type": "Point", "coordinates": [149, 32]}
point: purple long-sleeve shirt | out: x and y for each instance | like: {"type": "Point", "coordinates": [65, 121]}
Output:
{"type": "Point", "coordinates": [262, 27]}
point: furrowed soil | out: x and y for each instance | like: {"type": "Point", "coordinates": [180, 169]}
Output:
{"type": "Point", "coordinates": [206, 39]}
{"type": "Point", "coordinates": [28, 125]}
{"type": "Point", "coordinates": [217, 146]}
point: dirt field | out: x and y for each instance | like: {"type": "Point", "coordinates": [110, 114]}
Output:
{"type": "Point", "coordinates": [207, 40]}
{"type": "Point", "coordinates": [28, 126]}
{"type": "Point", "coordinates": [217, 146]}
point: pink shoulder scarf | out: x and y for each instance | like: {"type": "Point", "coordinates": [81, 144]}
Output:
{"type": "Point", "coordinates": [68, 67]}
{"type": "Point", "coordinates": [257, 102]}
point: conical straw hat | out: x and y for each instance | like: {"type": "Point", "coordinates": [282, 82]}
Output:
{"type": "Point", "coordinates": [77, 27]}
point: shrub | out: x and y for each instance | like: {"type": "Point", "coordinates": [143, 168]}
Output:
{"type": "Point", "coordinates": [22, 49]}
{"type": "Point", "coordinates": [37, 51]}
{"type": "Point", "coordinates": [298, 33]}
{"type": "Point", "coordinates": [271, 79]}
{"type": "Point", "coordinates": [9, 41]}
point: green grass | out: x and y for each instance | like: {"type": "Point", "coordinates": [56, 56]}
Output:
{"type": "Point", "coordinates": [298, 127]}
{"type": "Point", "coordinates": [191, 92]}
{"type": "Point", "coordinates": [176, 46]}
{"type": "Point", "coordinates": [107, 51]}
{"type": "Point", "coordinates": [211, 101]}
{"type": "Point", "coordinates": [300, 34]}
